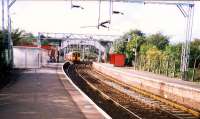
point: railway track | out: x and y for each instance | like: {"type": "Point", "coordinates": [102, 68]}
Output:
{"type": "Point", "coordinates": [138, 105]}
{"type": "Point", "coordinates": [150, 102]}
{"type": "Point", "coordinates": [102, 100]}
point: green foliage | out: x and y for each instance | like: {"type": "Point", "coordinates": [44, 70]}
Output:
{"type": "Point", "coordinates": [159, 40]}
{"type": "Point", "coordinates": [119, 46]}
{"type": "Point", "coordinates": [20, 37]}
{"type": "Point", "coordinates": [2, 49]}
{"type": "Point", "coordinates": [154, 53]}
{"type": "Point", "coordinates": [133, 32]}
{"type": "Point", "coordinates": [194, 52]}
{"type": "Point", "coordinates": [144, 48]}
{"type": "Point", "coordinates": [17, 36]}
{"type": "Point", "coordinates": [1, 41]}
{"type": "Point", "coordinates": [129, 41]}
{"type": "Point", "coordinates": [44, 42]}
{"type": "Point", "coordinates": [135, 43]}
{"type": "Point", "coordinates": [4, 67]}
{"type": "Point", "coordinates": [173, 52]}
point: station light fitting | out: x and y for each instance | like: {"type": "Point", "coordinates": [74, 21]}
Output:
{"type": "Point", "coordinates": [103, 24]}
{"type": "Point", "coordinates": [117, 12]}
{"type": "Point", "coordinates": [77, 6]}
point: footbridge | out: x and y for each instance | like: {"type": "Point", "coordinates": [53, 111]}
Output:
{"type": "Point", "coordinates": [97, 45]}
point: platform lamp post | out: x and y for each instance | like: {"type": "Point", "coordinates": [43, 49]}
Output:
{"type": "Point", "coordinates": [134, 50]}
{"type": "Point", "coordinates": [135, 54]}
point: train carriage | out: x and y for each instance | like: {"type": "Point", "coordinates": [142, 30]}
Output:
{"type": "Point", "coordinates": [73, 56]}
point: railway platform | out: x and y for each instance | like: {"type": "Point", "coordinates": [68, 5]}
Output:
{"type": "Point", "coordinates": [45, 93]}
{"type": "Point", "coordinates": [176, 90]}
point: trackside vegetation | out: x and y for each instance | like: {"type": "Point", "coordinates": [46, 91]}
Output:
{"type": "Point", "coordinates": [154, 53]}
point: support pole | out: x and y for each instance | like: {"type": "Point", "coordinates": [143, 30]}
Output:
{"type": "Point", "coordinates": [99, 14]}
{"type": "Point", "coordinates": [38, 40]}
{"type": "Point", "coordinates": [110, 10]}
{"type": "Point", "coordinates": [9, 41]}
{"type": "Point", "coordinates": [186, 45]}
{"type": "Point", "coordinates": [99, 56]}
{"type": "Point", "coordinates": [3, 28]}
{"type": "Point", "coordinates": [2, 10]}
{"type": "Point", "coordinates": [83, 52]}
{"type": "Point", "coordinates": [9, 35]}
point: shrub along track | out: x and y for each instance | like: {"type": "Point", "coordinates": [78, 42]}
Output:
{"type": "Point", "coordinates": [121, 105]}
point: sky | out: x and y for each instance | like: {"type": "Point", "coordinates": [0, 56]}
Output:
{"type": "Point", "coordinates": [57, 16]}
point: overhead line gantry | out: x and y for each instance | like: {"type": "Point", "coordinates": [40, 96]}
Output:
{"type": "Point", "coordinates": [187, 13]}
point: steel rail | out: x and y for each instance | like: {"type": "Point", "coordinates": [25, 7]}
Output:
{"type": "Point", "coordinates": [158, 98]}
{"type": "Point", "coordinates": [107, 97]}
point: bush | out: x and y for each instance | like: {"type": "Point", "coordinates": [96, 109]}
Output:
{"type": "Point", "coordinates": [4, 67]}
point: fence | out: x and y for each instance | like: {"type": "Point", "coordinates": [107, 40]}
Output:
{"type": "Point", "coordinates": [29, 57]}
{"type": "Point", "coordinates": [170, 68]}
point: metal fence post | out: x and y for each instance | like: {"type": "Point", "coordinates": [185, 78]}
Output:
{"type": "Point", "coordinates": [38, 57]}
{"type": "Point", "coordinates": [159, 69]}
{"type": "Point", "coordinates": [167, 73]}
{"type": "Point", "coordinates": [25, 57]}
{"type": "Point", "coordinates": [174, 68]}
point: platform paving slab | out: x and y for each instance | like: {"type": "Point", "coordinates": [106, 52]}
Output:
{"type": "Point", "coordinates": [38, 94]}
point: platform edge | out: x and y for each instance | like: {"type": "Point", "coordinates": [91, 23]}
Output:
{"type": "Point", "coordinates": [87, 98]}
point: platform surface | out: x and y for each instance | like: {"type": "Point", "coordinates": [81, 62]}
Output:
{"type": "Point", "coordinates": [157, 77]}
{"type": "Point", "coordinates": [40, 94]}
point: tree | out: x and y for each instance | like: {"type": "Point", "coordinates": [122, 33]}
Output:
{"type": "Point", "coordinates": [17, 36]}
{"type": "Point", "coordinates": [134, 44]}
{"type": "Point", "coordinates": [20, 37]}
{"type": "Point", "coordinates": [119, 46]}
{"type": "Point", "coordinates": [194, 52]}
{"type": "Point", "coordinates": [159, 40]}
{"type": "Point", "coordinates": [136, 39]}
{"type": "Point", "coordinates": [44, 42]}
{"type": "Point", "coordinates": [133, 32]}
{"type": "Point", "coordinates": [145, 47]}
{"type": "Point", "coordinates": [153, 53]}
{"type": "Point", "coordinates": [173, 52]}
{"type": "Point", "coordinates": [126, 43]}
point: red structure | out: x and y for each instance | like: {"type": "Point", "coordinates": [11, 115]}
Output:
{"type": "Point", "coordinates": [112, 58]}
{"type": "Point", "coordinates": [47, 47]}
{"type": "Point", "coordinates": [117, 60]}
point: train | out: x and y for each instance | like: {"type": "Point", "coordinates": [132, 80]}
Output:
{"type": "Point", "coordinates": [73, 56]}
